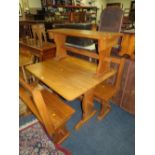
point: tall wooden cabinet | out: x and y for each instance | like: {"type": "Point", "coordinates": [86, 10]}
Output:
{"type": "Point", "coordinates": [125, 98]}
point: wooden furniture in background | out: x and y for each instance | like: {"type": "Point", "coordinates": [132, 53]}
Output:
{"type": "Point", "coordinates": [25, 27]}
{"type": "Point", "coordinates": [104, 92]}
{"type": "Point", "coordinates": [46, 51]}
{"type": "Point", "coordinates": [39, 34]}
{"type": "Point", "coordinates": [128, 43]}
{"type": "Point", "coordinates": [78, 17]}
{"type": "Point", "coordinates": [64, 13]}
{"type": "Point", "coordinates": [125, 97]}
{"type": "Point", "coordinates": [129, 17]}
{"type": "Point", "coordinates": [46, 107]}
{"type": "Point", "coordinates": [111, 19]}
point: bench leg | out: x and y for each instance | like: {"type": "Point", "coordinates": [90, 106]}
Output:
{"type": "Point", "coordinates": [105, 109]}
{"type": "Point", "coordinates": [60, 135]}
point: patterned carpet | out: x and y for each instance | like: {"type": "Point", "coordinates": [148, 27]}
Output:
{"type": "Point", "coordinates": [34, 141]}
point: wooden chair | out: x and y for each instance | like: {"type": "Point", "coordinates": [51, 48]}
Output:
{"type": "Point", "coordinates": [104, 92]}
{"type": "Point", "coordinates": [111, 19]}
{"type": "Point", "coordinates": [50, 110]}
{"type": "Point", "coordinates": [39, 34]}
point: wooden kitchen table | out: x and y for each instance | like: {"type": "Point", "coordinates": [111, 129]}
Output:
{"type": "Point", "coordinates": [72, 77]}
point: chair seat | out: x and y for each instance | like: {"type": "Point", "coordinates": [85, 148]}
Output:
{"type": "Point", "coordinates": [105, 91]}
{"type": "Point", "coordinates": [58, 115]}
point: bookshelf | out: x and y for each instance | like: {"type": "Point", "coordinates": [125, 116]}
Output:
{"type": "Point", "coordinates": [69, 12]}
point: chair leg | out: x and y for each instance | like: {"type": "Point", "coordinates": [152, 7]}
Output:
{"type": "Point", "coordinates": [105, 109]}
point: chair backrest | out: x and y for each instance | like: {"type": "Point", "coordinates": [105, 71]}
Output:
{"type": "Point", "coordinates": [39, 34]}
{"type": "Point", "coordinates": [120, 62]}
{"type": "Point", "coordinates": [111, 19]}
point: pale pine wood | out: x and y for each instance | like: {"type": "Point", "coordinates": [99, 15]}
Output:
{"type": "Point", "coordinates": [106, 41]}
{"type": "Point", "coordinates": [26, 98]}
{"type": "Point", "coordinates": [70, 77]}
{"type": "Point", "coordinates": [60, 42]}
{"type": "Point", "coordinates": [88, 108]}
{"type": "Point", "coordinates": [106, 91]}
{"type": "Point", "coordinates": [46, 107]}
{"type": "Point", "coordinates": [84, 33]}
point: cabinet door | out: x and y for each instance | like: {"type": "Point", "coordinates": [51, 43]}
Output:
{"type": "Point", "coordinates": [125, 97]}
{"type": "Point", "coordinates": [128, 95]}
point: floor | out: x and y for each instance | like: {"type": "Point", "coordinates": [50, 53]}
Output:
{"type": "Point", "coordinates": [115, 135]}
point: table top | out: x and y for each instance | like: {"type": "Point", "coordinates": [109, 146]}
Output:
{"type": "Point", "coordinates": [85, 33]}
{"type": "Point", "coordinates": [69, 77]}
{"type": "Point", "coordinates": [30, 44]}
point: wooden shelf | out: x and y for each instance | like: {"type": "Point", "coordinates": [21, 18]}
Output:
{"type": "Point", "coordinates": [74, 6]}
{"type": "Point", "coordinates": [74, 13]}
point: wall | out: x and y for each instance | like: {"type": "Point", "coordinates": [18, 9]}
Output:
{"type": "Point", "coordinates": [100, 5]}
{"type": "Point", "coordinates": [125, 3]}
{"type": "Point", "coordinates": [30, 4]}
{"type": "Point", "coordinates": [35, 4]}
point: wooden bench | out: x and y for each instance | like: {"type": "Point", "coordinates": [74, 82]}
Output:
{"type": "Point", "coordinates": [50, 110]}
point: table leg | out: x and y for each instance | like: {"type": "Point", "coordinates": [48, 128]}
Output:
{"type": "Point", "coordinates": [87, 108]}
